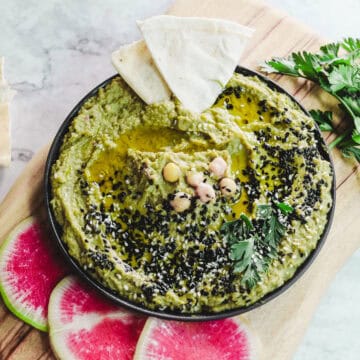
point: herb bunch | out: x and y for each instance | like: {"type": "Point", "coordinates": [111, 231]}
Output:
{"type": "Point", "coordinates": [253, 243]}
{"type": "Point", "coordinates": [336, 69]}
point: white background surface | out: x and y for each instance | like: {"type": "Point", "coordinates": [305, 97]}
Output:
{"type": "Point", "coordinates": [57, 50]}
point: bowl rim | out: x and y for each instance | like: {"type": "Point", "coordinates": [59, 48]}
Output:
{"type": "Point", "coordinates": [173, 315]}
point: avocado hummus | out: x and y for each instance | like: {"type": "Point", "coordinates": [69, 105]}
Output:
{"type": "Point", "coordinates": [152, 232]}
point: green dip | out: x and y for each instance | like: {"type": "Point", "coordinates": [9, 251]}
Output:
{"type": "Point", "coordinates": [114, 205]}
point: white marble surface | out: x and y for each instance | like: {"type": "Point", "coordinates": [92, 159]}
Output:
{"type": "Point", "coordinates": [57, 50]}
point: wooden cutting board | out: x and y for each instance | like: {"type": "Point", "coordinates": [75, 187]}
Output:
{"type": "Point", "coordinates": [280, 324]}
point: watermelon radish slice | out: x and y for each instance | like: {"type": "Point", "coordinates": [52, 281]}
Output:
{"type": "Point", "coordinates": [227, 339]}
{"type": "Point", "coordinates": [85, 326]}
{"type": "Point", "coordinates": [30, 267]}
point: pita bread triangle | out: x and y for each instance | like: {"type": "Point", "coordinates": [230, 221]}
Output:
{"type": "Point", "coordinates": [196, 56]}
{"type": "Point", "coordinates": [136, 66]}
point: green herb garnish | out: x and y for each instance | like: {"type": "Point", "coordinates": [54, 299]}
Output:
{"type": "Point", "coordinates": [336, 69]}
{"type": "Point", "coordinates": [285, 208]}
{"type": "Point", "coordinates": [253, 243]}
{"type": "Point", "coordinates": [324, 119]}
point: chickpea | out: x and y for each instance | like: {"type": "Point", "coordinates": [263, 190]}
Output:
{"type": "Point", "coordinates": [181, 202]}
{"type": "Point", "coordinates": [228, 187]}
{"type": "Point", "coordinates": [194, 179]}
{"type": "Point", "coordinates": [171, 172]}
{"type": "Point", "coordinates": [218, 167]}
{"type": "Point", "coordinates": [205, 192]}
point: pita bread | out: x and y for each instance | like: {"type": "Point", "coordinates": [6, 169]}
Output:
{"type": "Point", "coordinates": [196, 56]}
{"type": "Point", "coordinates": [6, 94]}
{"type": "Point", "coordinates": [135, 65]}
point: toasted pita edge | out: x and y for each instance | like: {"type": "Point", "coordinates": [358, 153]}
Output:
{"type": "Point", "coordinates": [135, 65]}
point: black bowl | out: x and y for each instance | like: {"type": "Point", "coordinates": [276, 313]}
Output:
{"type": "Point", "coordinates": [170, 315]}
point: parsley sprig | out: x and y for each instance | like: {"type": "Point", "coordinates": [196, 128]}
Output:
{"type": "Point", "coordinates": [253, 243]}
{"type": "Point", "coordinates": [336, 69]}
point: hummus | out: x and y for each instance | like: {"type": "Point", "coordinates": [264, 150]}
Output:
{"type": "Point", "coordinates": [116, 208]}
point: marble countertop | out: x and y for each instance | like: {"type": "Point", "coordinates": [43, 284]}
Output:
{"type": "Point", "coordinates": [57, 50]}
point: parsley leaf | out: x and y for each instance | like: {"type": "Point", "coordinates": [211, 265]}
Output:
{"type": "Point", "coordinates": [272, 227]}
{"type": "Point", "coordinates": [336, 72]}
{"type": "Point", "coordinates": [253, 243]}
{"type": "Point", "coordinates": [351, 45]}
{"type": "Point", "coordinates": [242, 252]}
{"type": "Point", "coordinates": [350, 147]}
{"type": "Point", "coordinates": [285, 66]}
{"type": "Point", "coordinates": [308, 66]}
{"type": "Point", "coordinates": [344, 76]}
{"type": "Point", "coordinates": [353, 104]}
{"type": "Point", "coordinates": [350, 151]}
{"type": "Point", "coordinates": [356, 137]}
{"type": "Point", "coordinates": [329, 52]}
{"type": "Point", "coordinates": [323, 118]}
{"type": "Point", "coordinates": [285, 208]}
